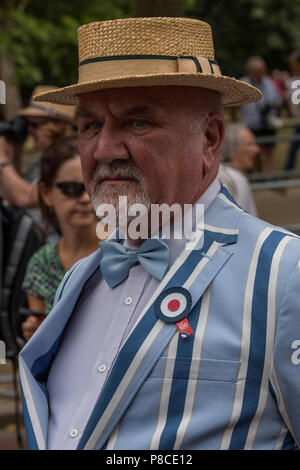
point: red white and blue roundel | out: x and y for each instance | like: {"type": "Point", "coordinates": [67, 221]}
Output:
{"type": "Point", "coordinates": [173, 304]}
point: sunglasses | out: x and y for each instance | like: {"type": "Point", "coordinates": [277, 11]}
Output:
{"type": "Point", "coordinates": [70, 188]}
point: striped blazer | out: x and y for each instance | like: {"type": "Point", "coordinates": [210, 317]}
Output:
{"type": "Point", "coordinates": [233, 384]}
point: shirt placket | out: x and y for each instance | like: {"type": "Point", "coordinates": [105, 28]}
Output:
{"type": "Point", "coordinates": [130, 293]}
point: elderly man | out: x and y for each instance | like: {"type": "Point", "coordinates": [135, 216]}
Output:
{"type": "Point", "coordinates": [262, 117]}
{"type": "Point", "coordinates": [238, 154]}
{"type": "Point", "coordinates": [175, 343]}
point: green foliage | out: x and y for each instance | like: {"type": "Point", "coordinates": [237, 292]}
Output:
{"type": "Point", "coordinates": [243, 28]}
{"type": "Point", "coordinates": [41, 36]}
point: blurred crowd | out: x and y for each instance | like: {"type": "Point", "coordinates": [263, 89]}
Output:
{"type": "Point", "coordinates": [51, 188]}
{"type": "Point", "coordinates": [53, 193]}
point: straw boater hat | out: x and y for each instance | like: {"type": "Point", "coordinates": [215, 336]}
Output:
{"type": "Point", "coordinates": [49, 110]}
{"type": "Point", "coordinates": [137, 52]}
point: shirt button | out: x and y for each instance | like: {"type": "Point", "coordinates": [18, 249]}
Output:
{"type": "Point", "coordinates": [102, 368]}
{"type": "Point", "coordinates": [74, 433]}
{"type": "Point", "coordinates": [128, 300]}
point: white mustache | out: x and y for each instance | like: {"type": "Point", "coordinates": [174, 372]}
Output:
{"type": "Point", "coordinates": [125, 170]}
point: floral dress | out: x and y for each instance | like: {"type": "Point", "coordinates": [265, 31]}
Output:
{"type": "Point", "coordinates": [44, 274]}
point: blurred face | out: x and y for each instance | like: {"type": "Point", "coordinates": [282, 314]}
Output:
{"type": "Point", "coordinates": [70, 211]}
{"type": "Point", "coordinates": [245, 152]}
{"type": "Point", "coordinates": [37, 128]}
{"type": "Point", "coordinates": [294, 67]}
{"type": "Point", "coordinates": [147, 143]}
{"type": "Point", "coordinates": [258, 71]}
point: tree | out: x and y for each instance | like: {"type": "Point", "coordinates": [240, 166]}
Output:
{"type": "Point", "coordinates": [38, 39]}
{"type": "Point", "coordinates": [148, 8]}
{"type": "Point", "coordinates": [7, 65]}
{"type": "Point", "coordinates": [243, 28]}
{"type": "Point", "coordinates": [40, 44]}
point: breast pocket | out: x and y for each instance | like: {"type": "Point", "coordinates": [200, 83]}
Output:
{"type": "Point", "coordinates": [196, 369]}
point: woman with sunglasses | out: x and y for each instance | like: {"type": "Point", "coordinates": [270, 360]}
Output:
{"type": "Point", "coordinates": [66, 207]}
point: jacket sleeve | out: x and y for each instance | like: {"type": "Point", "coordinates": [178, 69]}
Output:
{"type": "Point", "coordinates": [285, 376]}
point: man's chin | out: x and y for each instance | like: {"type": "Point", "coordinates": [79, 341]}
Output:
{"type": "Point", "coordinates": [109, 193]}
{"type": "Point", "coordinates": [116, 194]}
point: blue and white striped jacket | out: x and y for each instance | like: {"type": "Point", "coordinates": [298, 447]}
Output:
{"type": "Point", "coordinates": [233, 384]}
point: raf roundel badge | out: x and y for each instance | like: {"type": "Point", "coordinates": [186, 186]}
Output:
{"type": "Point", "coordinates": [173, 306]}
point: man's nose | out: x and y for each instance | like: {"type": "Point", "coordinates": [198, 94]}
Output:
{"type": "Point", "coordinates": [110, 145]}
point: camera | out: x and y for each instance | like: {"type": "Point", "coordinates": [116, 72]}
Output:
{"type": "Point", "coordinates": [16, 129]}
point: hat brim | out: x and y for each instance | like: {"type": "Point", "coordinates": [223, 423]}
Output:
{"type": "Point", "coordinates": [32, 112]}
{"type": "Point", "coordinates": [234, 92]}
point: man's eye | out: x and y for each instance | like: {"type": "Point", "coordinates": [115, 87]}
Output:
{"type": "Point", "coordinates": [89, 126]}
{"type": "Point", "coordinates": [140, 122]}
{"type": "Point", "coordinates": [93, 125]}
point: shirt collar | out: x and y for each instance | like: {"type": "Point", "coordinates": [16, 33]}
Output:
{"type": "Point", "coordinates": [177, 245]}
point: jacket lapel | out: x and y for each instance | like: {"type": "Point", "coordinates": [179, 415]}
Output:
{"type": "Point", "coordinates": [36, 356]}
{"type": "Point", "coordinates": [194, 270]}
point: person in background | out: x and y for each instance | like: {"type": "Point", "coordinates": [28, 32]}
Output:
{"type": "Point", "coordinates": [238, 154]}
{"type": "Point", "coordinates": [262, 118]}
{"type": "Point", "coordinates": [294, 108]}
{"type": "Point", "coordinates": [67, 207]}
{"type": "Point", "coordinates": [46, 122]}
{"type": "Point", "coordinates": [40, 114]}
{"type": "Point", "coordinates": [279, 78]}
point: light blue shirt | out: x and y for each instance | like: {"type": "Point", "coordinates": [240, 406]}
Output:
{"type": "Point", "coordinates": [100, 324]}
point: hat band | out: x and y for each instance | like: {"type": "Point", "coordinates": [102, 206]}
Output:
{"type": "Point", "coordinates": [99, 68]}
{"type": "Point", "coordinates": [49, 111]}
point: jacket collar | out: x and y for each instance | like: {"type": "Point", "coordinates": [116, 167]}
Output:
{"type": "Point", "coordinates": [36, 357]}
{"type": "Point", "coordinates": [151, 335]}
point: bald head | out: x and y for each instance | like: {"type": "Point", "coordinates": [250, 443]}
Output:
{"type": "Point", "coordinates": [256, 68]}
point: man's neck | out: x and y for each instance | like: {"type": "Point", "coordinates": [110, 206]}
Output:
{"type": "Point", "coordinates": [190, 217]}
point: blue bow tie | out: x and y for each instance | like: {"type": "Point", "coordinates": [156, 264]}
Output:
{"type": "Point", "coordinates": [117, 261]}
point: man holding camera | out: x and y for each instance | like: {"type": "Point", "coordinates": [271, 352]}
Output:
{"type": "Point", "coordinates": [43, 122]}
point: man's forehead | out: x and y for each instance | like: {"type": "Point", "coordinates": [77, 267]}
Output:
{"type": "Point", "coordinates": [122, 95]}
{"type": "Point", "coordinates": [122, 99]}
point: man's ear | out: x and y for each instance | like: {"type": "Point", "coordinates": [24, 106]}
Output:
{"type": "Point", "coordinates": [214, 133]}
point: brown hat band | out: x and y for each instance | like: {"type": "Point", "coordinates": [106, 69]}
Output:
{"type": "Point", "coordinates": [123, 66]}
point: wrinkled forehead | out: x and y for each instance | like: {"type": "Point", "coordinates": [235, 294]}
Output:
{"type": "Point", "coordinates": [154, 98]}
{"type": "Point", "coordinates": [117, 98]}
